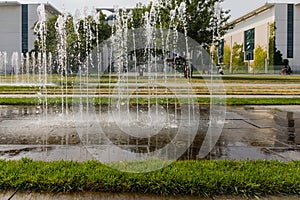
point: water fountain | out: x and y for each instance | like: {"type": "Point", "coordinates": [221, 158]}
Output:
{"type": "Point", "coordinates": [132, 98]}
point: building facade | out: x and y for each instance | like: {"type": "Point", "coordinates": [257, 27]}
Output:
{"type": "Point", "coordinates": [278, 22]}
{"type": "Point", "coordinates": [17, 21]}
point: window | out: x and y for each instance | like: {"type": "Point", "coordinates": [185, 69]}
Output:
{"type": "Point", "coordinates": [24, 28]}
{"type": "Point", "coordinates": [249, 44]}
{"type": "Point", "coordinates": [221, 51]}
{"type": "Point", "coordinates": [290, 31]}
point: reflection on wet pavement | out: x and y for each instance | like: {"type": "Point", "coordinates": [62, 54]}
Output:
{"type": "Point", "coordinates": [256, 132]}
{"type": "Point", "coordinates": [261, 132]}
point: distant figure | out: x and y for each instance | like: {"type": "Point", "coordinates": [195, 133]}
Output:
{"type": "Point", "coordinates": [289, 70]}
{"type": "Point", "coordinates": [203, 70]}
{"type": "Point", "coordinates": [286, 68]}
{"type": "Point", "coordinates": [179, 63]}
{"type": "Point", "coordinates": [220, 70]}
{"type": "Point", "coordinates": [283, 70]}
{"type": "Point", "coordinates": [188, 71]}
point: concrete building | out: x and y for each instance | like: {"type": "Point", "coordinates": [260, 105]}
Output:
{"type": "Point", "coordinates": [254, 30]}
{"type": "Point", "coordinates": [17, 21]}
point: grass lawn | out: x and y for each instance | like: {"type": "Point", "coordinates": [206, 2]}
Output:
{"type": "Point", "coordinates": [201, 178]}
{"type": "Point", "coordinates": [272, 85]}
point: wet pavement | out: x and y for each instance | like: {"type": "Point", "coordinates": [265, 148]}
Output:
{"type": "Point", "coordinates": [114, 196]}
{"type": "Point", "coordinates": [251, 132]}
{"type": "Point", "coordinates": [124, 196]}
{"type": "Point", "coordinates": [260, 132]}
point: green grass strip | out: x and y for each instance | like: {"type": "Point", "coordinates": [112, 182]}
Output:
{"type": "Point", "coordinates": [262, 78]}
{"type": "Point", "coordinates": [203, 178]}
{"type": "Point", "coordinates": [263, 101]}
{"type": "Point", "coordinates": [30, 101]}
{"type": "Point", "coordinates": [162, 101]}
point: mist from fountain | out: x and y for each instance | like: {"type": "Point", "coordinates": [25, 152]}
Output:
{"type": "Point", "coordinates": [129, 128]}
{"type": "Point", "coordinates": [149, 109]}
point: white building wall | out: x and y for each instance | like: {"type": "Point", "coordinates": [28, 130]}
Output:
{"type": "Point", "coordinates": [296, 62]}
{"type": "Point", "coordinates": [32, 19]}
{"type": "Point", "coordinates": [237, 37]}
{"type": "Point", "coordinates": [260, 22]}
{"type": "Point", "coordinates": [281, 28]}
{"type": "Point", "coordinates": [11, 28]}
{"type": "Point", "coordinates": [259, 19]}
{"type": "Point", "coordinates": [262, 36]}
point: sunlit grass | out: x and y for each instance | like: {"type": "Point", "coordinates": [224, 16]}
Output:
{"type": "Point", "coordinates": [104, 88]}
{"type": "Point", "coordinates": [203, 178]}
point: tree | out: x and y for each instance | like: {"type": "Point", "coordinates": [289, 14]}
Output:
{"type": "Point", "coordinates": [226, 55]}
{"type": "Point", "coordinates": [259, 58]}
{"type": "Point", "coordinates": [237, 57]}
{"type": "Point", "coordinates": [200, 20]}
{"type": "Point", "coordinates": [275, 56]}
{"type": "Point", "coordinates": [197, 19]}
{"type": "Point", "coordinates": [137, 20]}
{"type": "Point", "coordinates": [78, 44]}
{"type": "Point", "coordinates": [204, 22]}
{"type": "Point", "coordinates": [278, 60]}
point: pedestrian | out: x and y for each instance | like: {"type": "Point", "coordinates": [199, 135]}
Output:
{"type": "Point", "coordinates": [286, 68]}
{"type": "Point", "coordinates": [220, 70]}
{"type": "Point", "coordinates": [289, 70]}
{"type": "Point", "coordinates": [283, 70]}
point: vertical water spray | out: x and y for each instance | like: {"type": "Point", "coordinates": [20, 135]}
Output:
{"type": "Point", "coordinates": [41, 31]}
{"type": "Point", "coordinates": [33, 65]}
{"type": "Point", "coordinates": [217, 94]}
{"type": "Point", "coordinates": [60, 27]}
{"type": "Point", "coordinates": [50, 67]}
{"type": "Point", "coordinates": [76, 25]}
{"type": "Point", "coordinates": [151, 49]}
{"type": "Point", "coordinates": [27, 67]}
{"type": "Point", "coordinates": [144, 64]}
{"type": "Point", "coordinates": [3, 64]}
{"type": "Point", "coordinates": [148, 23]}
{"type": "Point", "coordinates": [22, 66]}
{"type": "Point", "coordinates": [96, 15]}
{"type": "Point", "coordinates": [14, 67]}
{"type": "Point", "coordinates": [87, 53]}
{"type": "Point", "coordinates": [187, 68]}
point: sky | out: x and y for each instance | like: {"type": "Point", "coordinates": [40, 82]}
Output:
{"type": "Point", "coordinates": [237, 7]}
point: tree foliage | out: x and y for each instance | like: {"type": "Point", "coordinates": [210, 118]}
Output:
{"type": "Point", "coordinates": [275, 56]}
{"type": "Point", "coordinates": [237, 57]}
{"type": "Point", "coordinates": [78, 43]}
{"type": "Point", "coordinates": [260, 57]}
{"type": "Point", "coordinates": [227, 54]}
{"type": "Point", "coordinates": [201, 22]}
